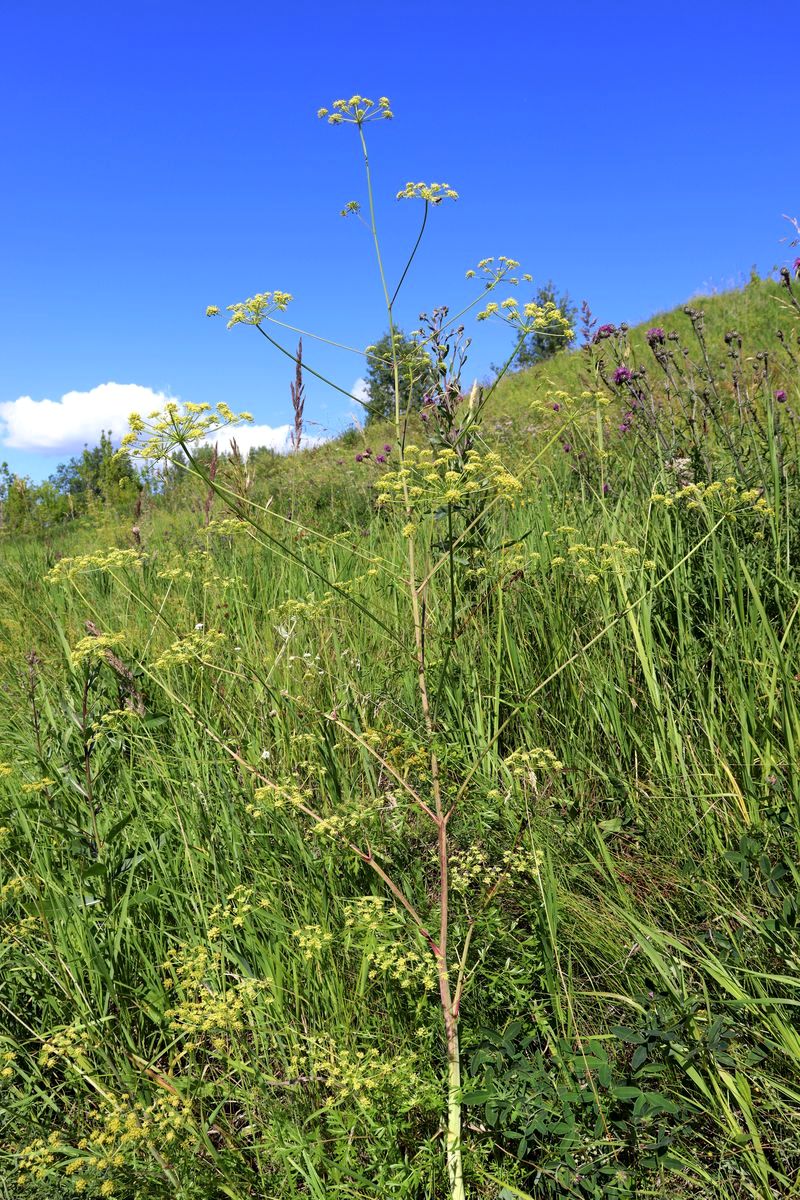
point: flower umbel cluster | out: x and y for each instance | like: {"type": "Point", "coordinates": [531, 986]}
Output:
{"type": "Point", "coordinates": [426, 481]}
{"type": "Point", "coordinates": [406, 965]}
{"type": "Point", "coordinates": [366, 914]}
{"type": "Point", "coordinates": [530, 318]}
{"type": "Point", "coordinates": [258, 308]}
{"type": "Point", "coordinates": [94, 649]}
{"type": "Point", "coordinates": [65, 1046]}
{"type": "Point", "coordinates": [272, 797]}
{"type": "Point", "coordinates": [382, 935]}
{"type": "Point", "coordinates": [196, 645]}
{"type": "Point", "coordinates": [361, 1074]}
{"type": "Point", "coordinates": [104, 560]}
{"type": "Point", "coordinates": [718, 497]}
{"type": "Point", "coordinates": [348, 818]}
{"type": "Point", "coordinates": [525, 318]}
{"type": "Point", "coordinates": [496, 270]}
{"type": "Point", "coordinates": [228, 917]}
{"type": "Point", "coordinates": [210, 1004]}
{"type": "Point", "coordinates": [474, 870]}
{"type": "Point", "coordinates": [431, 193]}
{"type": "Point", "coordinates": [358, 110]}
{"type": "Point", "coordinates": [124, 1134]}
{"type": "Point", "coordinates": [175, 427]}
{"type": "Point", "coordinates": [593, 563]}
{"type": "Point", "coordinates": [31, 789]}
{"type": "Point", "coordinates": [522, 763]}
{"type": "Point", "coordinates": [312, 940]}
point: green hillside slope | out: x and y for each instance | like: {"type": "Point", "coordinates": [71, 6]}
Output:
{"type": "Point", "coordinates": [426, 828]}
{"type": "Point", "coordinates": [757, 311]}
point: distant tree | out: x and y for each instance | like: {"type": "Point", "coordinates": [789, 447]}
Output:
{"type": "Point", "coordinates": [414, 375]}
{"type": "Point", "coordinates": [98, 476]}
{"type": "Point", "coordinates": [544, 343]}
{"type": "Point", "coordinates": [98, 472]}
{"type": "Point", "coordinates": [26, 507]}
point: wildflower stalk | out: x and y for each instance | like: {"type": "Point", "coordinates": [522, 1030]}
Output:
{"type": "Point", "coordinates": [465, 499]}
{"type": "Point", "coordinates": [389, 302]}
{"type": "Point", "coordinates": [413, 253]}
{"type": "Point", "coordinates": [455, 1168]}
{"type": "Point", "coordinates": [298, 400]}
{"type": "Point", "coordinates": [449, 1014]}
{"type": "Point", "coordinates": [306, 367]}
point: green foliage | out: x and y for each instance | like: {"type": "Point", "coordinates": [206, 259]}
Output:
{"type": "Point", "coordinates": [592, 1126]}
{"type": "Point", "coordinates": [99, 474]}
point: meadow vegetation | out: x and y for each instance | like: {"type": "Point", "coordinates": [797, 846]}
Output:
{"type": "Point", "coordinates": [416, 815]}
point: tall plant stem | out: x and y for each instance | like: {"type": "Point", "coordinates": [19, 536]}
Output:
{"type": "Point", "coordinates": [389, 301]}
{"type": "Point", "coordinates": [412, 254]}
{"type": "Point", "coordinates": [449, 1015]}
{"type": "Point", "coordinates": [455, 1169]}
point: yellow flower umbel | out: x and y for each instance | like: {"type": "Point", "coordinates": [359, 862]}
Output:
{"type": "Point", "coordinates": [431, 193]}
{"type": "Point", "coordinates": [474, 871]}
{"type": "Point", "coordinates": [102, 560]}
{"type": "Point", "coordinates": [94, 649]}
{"type": "Point", "coordinates": [195, 647]}
{"type": "Point", "coordinates": [525, 318]}
{"type": "Point", "coordinates": [358, 110]}
{"type": "Point", "coordinates": [425, 482]}
{"type": "Point", "coordinates": [720, 497]}
{"type": "Point", "coordinates": [258, 308]}
{"type": "Point", "coordinates": [212, 1006]}
{"type": "Point", "coordinates": [176, 425]}
{"type": "Point", "coordinates": [312, 940]}
{"type": "Point", "coordinates": [495, 270]}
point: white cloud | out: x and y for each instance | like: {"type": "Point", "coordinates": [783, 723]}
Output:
{"type": "Point", "coordinates": [359, 391]}
{"type": "Point", "coordinates": [253, 437]}
{"type": "Point", "coordinates": [64, 426]}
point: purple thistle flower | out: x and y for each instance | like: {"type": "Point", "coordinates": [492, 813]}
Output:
{"type": "Point", "coordinates": [381, 458]}
{"type": "Point", "coordinates": [556, 408]}
{"type": "Point", "coordinates": [780, 396]}
{"type": "Point", "coordinates": [656, 336]}
{"type": "Point", "coordinates": [566, 447]}
{"type": "Point", "coordinates": [387, 449]}
{"type": "Point", "coordinates": [796, 267]}
{"type": "Point", "coordinates": [359, 458]}
{"type": "Point", "coordinates": [622, 375]}
{"type": "Point", "coordinates": [606, 488]}
{"type": "Point", "coordinates": [603, 332]}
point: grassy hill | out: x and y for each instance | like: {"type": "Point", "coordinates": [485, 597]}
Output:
{"type": "Point", "coordinates": [424, 828]}
{"type": "Point", "coordinates": [756, 311]}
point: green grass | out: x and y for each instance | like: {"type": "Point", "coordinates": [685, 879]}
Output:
{"type": "Point", "coordinates": [191, 1003]}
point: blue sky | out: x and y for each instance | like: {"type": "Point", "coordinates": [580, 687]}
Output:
{"type": "Point", "coordinates": [159, 157]}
